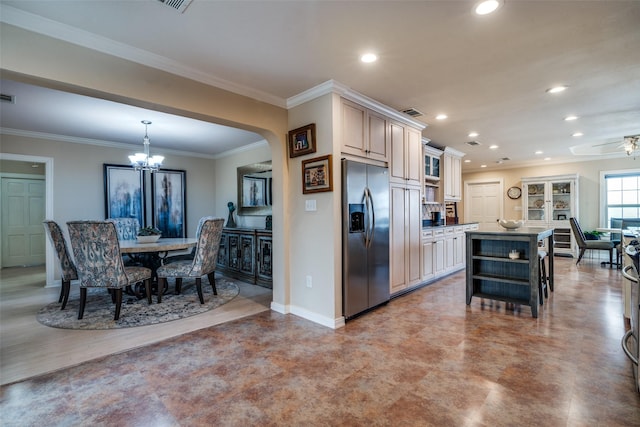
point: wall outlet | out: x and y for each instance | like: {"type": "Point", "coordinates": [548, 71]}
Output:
{"type": "Point", "coordinates": [309, 282]}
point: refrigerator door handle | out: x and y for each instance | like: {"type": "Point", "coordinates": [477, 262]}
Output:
{"type": "Point", "coordinates": [371, 218]}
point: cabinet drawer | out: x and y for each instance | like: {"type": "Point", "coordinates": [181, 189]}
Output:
{"type": "Point", "coordinates": [448, 231]}
{"type": "Point", "coordinates": [427, 234]}
{"type": "Point", "coordinates": [438, 233]}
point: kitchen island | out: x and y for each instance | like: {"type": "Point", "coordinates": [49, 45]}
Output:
{"type": "Point", "coordinates": [492, 274]}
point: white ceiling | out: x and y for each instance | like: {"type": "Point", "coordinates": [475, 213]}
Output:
{"type": "Point", "coordinates": [489, 74]}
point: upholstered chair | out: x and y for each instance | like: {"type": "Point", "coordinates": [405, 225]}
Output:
{"type": "Point", "coordinates": [127, 229]}
{"type": "Point", "coordinates": [99, 263]}
{"type": "Point", "coordinates": [188, 256]}
{"type": "Point", "coordinates": [584, 244]}
{"type": "Point", "coordinates": [67, 267]}
{"type": "Point", "coordinates": [204, 262]}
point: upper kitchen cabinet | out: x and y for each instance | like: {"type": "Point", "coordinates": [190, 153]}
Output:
{"type": "Point", "coordinates": [365, 133]}
{"type": "Point", "coordinates": [432, 158]}
{"type": "Point", "coordinates": [452, 174]}
{"type": "Point", "coordinates": [406, 154]}
{"type": "Point", "coordinates": [549, 201]}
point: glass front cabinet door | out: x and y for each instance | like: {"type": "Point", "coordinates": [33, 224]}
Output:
{"type": "Point", "coordinates": [549, 202]}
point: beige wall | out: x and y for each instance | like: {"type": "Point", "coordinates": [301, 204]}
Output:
{"type": "Point", "coordinates": [316, 249]}
{"type": "Point", "coordinates": [225, 172]}
{"type": "Point", "coordinates": [589, 214]}
{"type": "Point", "coordinates": [78, 183]}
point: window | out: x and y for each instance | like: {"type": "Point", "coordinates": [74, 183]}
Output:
{"type": "Point", "coordinates": [621, 191]}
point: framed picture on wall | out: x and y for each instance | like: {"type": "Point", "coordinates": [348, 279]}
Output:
{"type": "Point", "coordinates": [302, 140]}
{"type": "Point", "coordinates": [168, 202]}
{"type": "Point", "coordinates": [124, 192]}
{"type": "Point", "coordinates": [317, 175]}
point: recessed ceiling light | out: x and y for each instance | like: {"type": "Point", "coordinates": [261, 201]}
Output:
{"type": "Point", "coordinates": [577, 134]}
{"type": "Point", "coordinates": [547, 158]}
{"type": "Point", "coordinates": [473, 134]}
{"type": "Point", "coordinates": [483, 166]}
{"type": "Point", "coordinates": [467, 161]}
{"type": "Point", "coordinates": [493, 147]}
{"type": "Point", "coordinates": [557, 89]}
{"type": "Point", "coordinates": [441, 116]}
{"type": "Point", "coordinates": [539, 152]}
{"type": "Point", "coordinates": [570, 118]}
{"type": "Point", "coordinates": [369, 57]}
{"type": "Point", "coordinates": [486, 6]}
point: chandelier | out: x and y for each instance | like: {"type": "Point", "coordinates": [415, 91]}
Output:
{"type": "Point", "coordinates": [142, 161]}
{"type": "Point", "coordinates": [631, 144]}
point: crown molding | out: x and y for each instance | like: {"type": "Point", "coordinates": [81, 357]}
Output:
{"type": "Point", "coordinates": [67, 33]}
{"type": "Point", "coordinates": [333, 86]}
{"type": "Point", "coordinates": [111, 144]}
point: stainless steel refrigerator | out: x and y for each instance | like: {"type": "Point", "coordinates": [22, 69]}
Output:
{"type": "Point", "coordinates": [365, 237]}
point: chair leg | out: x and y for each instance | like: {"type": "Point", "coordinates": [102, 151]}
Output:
{"type": "Point", "coordinates": [178, 289]}
{"type": "Point", "coordinates": [64, 293]}
{"type": "Point", "coordinates": [113, 296]}
{"type": "Point", "coordinates": [544, 278]}
{"type": "Point", "coordinates": [61, 292]}
{"type": "Point", "coordinates": [83, 300]}
{"type": "Point", "coordinates": [610, 258]}
{"type": "Point", "coordinates": [162, 282]}
{"type": "Point", "coordinates": [212, 281]}
{"type": "Point", "coordinates": [199, 289]}
{"type": "Point", "coordinates": [580, 255]}
{"type": "Point", "coordinates": [118, 297]}
{"type": "Point", "coordinates": [147, 289]}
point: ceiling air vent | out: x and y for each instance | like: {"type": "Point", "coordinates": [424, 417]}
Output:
{"type": "Point", "coordinates": [7, 98]}
{"type": "Point", "coordinates": [412, 112]}
{"type": "Point", "coordinates": [473, 143]}
{"type": "Point", "coordinates": [179, 5]}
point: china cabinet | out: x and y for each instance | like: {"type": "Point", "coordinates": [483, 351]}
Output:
{"type": "Point", "coordinates": [549, 201]}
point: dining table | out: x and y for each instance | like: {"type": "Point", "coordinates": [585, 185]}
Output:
{"type": "Point", "coordinates": [153, 254]}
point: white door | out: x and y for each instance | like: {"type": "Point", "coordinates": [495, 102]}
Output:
{"type": "Point", "coordinates": [483, 202]}
{"type": "Point", "coordinates": [23, 208]}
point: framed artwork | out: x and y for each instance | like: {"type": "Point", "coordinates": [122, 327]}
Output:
{"type": "Point", "coordinates": [168, 202]}
{"type": "Point", "coordinates": [124, 190]}
{"type": "Point", "coordinates": [254, 192]}
{"type": "Point", "coordinates": [317, 175]}
{"type": "Point", "coordinates": [302, 140]}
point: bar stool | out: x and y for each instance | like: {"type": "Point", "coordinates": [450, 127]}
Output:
{"type": "Point", "coordinates": [542, 273]}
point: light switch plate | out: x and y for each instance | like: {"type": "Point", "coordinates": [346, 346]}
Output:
{"type": "Point", "coordinates": [310, 205]}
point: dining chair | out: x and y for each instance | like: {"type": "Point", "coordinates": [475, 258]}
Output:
{"type": "Point", "coordinates": [68, 270]}
{"type": "Point", "coordinates": [188, 256]}
{"type": "Point", "coordinates": [99, 263]}
{"type": "Point", "coordinates": [584, 244]}
{"type": "Point", "coordinates": [127, 229]}
{"type": "Point", "coordinates": [204, 262]}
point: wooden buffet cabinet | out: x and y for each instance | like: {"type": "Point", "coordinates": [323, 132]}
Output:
{"type": "Point", "coordinates": [246, 254]}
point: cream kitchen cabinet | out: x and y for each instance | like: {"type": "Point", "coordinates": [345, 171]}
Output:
{"type": "Point", "coordinates": [549, 201]}
{"type": "Point", "coordinates": [432, 158]}
{"type": "Point", "coordinates": [452, 174]}
{"type": "Point", "coordinates": [405, 237]}
{"type": "Point", "coordinates": [405, 166]}
{"type": "Point", "coordinates": [365, 133]}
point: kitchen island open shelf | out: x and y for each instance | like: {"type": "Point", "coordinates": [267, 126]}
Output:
{"type": "Point", "coordinates": [492, 274]}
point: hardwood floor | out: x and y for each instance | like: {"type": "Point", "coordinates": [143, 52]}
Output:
{"type": "Point", "coordinates": [424, 359]}
{"type": "Point", "coordinates": [28, 348]}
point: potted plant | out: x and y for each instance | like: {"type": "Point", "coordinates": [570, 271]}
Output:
{"type": "Point", "coordinates": [148, 235]}
{"type": "Point", "coordinates": [592, 235]}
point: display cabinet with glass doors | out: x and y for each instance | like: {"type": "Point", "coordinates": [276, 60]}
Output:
{"type": "Point", "coordinates": [550, 201]}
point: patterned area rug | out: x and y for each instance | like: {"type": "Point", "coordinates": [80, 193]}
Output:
{"type": "Point", "coordinates": [99, 310]}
